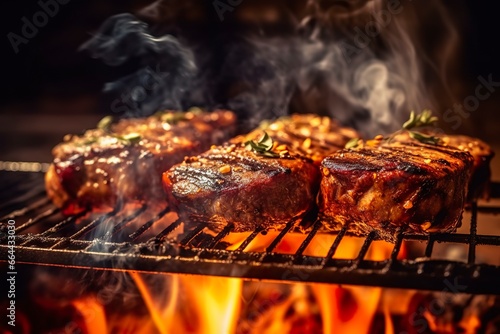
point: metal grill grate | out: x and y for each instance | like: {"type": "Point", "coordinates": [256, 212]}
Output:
{"type": "Point", "coordinates": [147, 240]}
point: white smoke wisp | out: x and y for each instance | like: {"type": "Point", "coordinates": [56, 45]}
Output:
{"type": "Point", "coordinates": [329, 65]}
{"type": "Point", "coordinates": [372, 87]}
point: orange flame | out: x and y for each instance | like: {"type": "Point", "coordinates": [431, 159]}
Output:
{"type": "Point", "coordinates": [161, 317]}
{"type": "Point", "coordinates": [207, 304]}
{"type": "Point", "coordinates": [214, 303]}
{"type": "Point", "coordinates": [93, 315]}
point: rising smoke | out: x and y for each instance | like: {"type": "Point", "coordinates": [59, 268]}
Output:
{"type": "Point", "coordinates": [317, 68]}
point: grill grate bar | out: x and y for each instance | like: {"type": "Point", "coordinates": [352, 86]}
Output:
{"type": "Point", "coordinates": [430, 246]}
{"type": "Point", "coordinates": [47, 213]}
{"type": "Point", "coordinates": [308, 239]}
{"type": "Point", "coordinates": [121, 225]}
{"type": "Point", "coordinates": [397, 247]}
{"type": "Point", "coordinates": [192, 234]}
{"type": "Point", "coordinates": [169, 229]}
{"type": "Point", "coordinates": [221, 235]}
{"type": "Point", "coordinates": [22, 212]}
{"type": "Point", "coordinates": [249, 239]}
{"type": "Point", "coordinates": [473, 235]}
{"type": "Point", "coordinates": [364, 248]}
{"type": "Point", "coordinates": [146, 226]}
{"type": "Point", "coordinates": [19, 200]}
{"type": "Point", "coordinates": [335, 245]}
{"type": "Point", "coordinates": [85, 229]}
{"type": "Point", "coordinates": [54, 229]}
{"type": "Point", "coordinates": [280, 237]}
{"type": "Point", "coordinates": [59, 226]}
{"type": "Point", "coordinates": [200, 251]}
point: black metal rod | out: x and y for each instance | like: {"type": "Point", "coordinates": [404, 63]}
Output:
{"type": "Point", "coordinates": [51, 211]}
{"type": "Point", "coordinates": [85, 229]}
{"type": "Point", "coordinates": [221, 235]}
{"type": "Point", "coordinates": [405, 278]}
{"type": "Point", "coordinates": [397, 247]}
{"type": "Point", "coordinates": [146, 226]}
{"type": "Point", "coordinates": [364, 247]}
{"type": "Point", "coordinates": [124, 222]}
{"type": "Point", "coordinates": [473, 234]}
{"type": "Point", "coordinates": [21, 212]}
{"type": "Point", "coordinates": [28, 197]}
{"type": "Point", "coordinates": [430, 246]}
{"type": "Point", "coordinates": [192, 234]}
{"type": "Point", "coordinates": [249, 239]}
{"type": "Point", "coordinates": [308, 239]}
{"type": "Point", "coordinates": [426, 274]}
{"type": "Point", "coordinates": [335, 244]}
{"type": "Point", "coordinates": [169, 229]}
{"type": "Point", "coordinates": [280, 236]}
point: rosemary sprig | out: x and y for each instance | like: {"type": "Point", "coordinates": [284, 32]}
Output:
{"type": "Point", "coordinates": [263, 146]}
{"type": "Point", "coordinates": [418, 121]}
{"type": "Point", "coordinates": [352, 143]}
{"type": "Point", "coordinates": [173, 117]}
{"type": "Point", "coordinates": [105, 125]}
{"type": "Point", "coordinates": [423, 138]}
{"type": "Point", "coordinates": [130, 138]}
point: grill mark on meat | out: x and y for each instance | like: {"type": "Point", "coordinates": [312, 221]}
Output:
{"type": "Point", "coordinates": [98, 169]}
{"type": "Point", "coordinates": [247, 162]}
{"type": "Point", "coordinates": [479, 182]}
{"type": "Point", "coordinates": [419, 188]}
{"type": "Point", "coordinates": [254, 190]}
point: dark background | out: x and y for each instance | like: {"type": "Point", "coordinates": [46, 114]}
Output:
{"type": "Point", "coordinates": [50, 88]}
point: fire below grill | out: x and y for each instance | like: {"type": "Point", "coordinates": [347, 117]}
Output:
{"type": "Point", "coordinates": [144, 240]}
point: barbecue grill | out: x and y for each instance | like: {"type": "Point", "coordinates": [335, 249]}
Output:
{"type": "Point", "coordinates": [45, 237]}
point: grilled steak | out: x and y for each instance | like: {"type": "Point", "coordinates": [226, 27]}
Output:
{"type": "Point", "coordinates": [310, 135]}
{"type": "Point", "coordinates": [229, 183]}
{"type": "Point", "coordinates": [123, 162]}
{"type": "Point", "coordinates": [419, 188]}
{"type": "Point", "coordinates": [479, 183]}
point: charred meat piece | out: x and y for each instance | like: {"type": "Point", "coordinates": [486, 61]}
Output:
{"type": "Point", "coordinates": [230, 184]}
{"type": "Point", "coordinates": [396, 186]}
{"type": "Point", "coordinates": [235, 184]}
{"type": "Point", "coordinates": [479, 183]}
{"type": "Point", "coordinates": [310, 135]}
{"type": "Point", "coordinates": [123, 162]}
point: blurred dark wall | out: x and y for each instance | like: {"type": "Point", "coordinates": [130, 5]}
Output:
{"type": "Point", "coordinates": [49, 76]}
{"type": "Point", "coordinates": [50, 64]}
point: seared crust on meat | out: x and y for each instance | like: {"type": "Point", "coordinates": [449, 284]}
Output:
{"type": "Point", "coordinates": [310, 135]}
{"type": "Point", "coordinates": [106, 167]}
{"type": "Point", "coordinates": [479, 183]}
{"type": "Point", "coordinates": [388, 187]}
{"type": "Point", "coordinates": [229, 184]}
